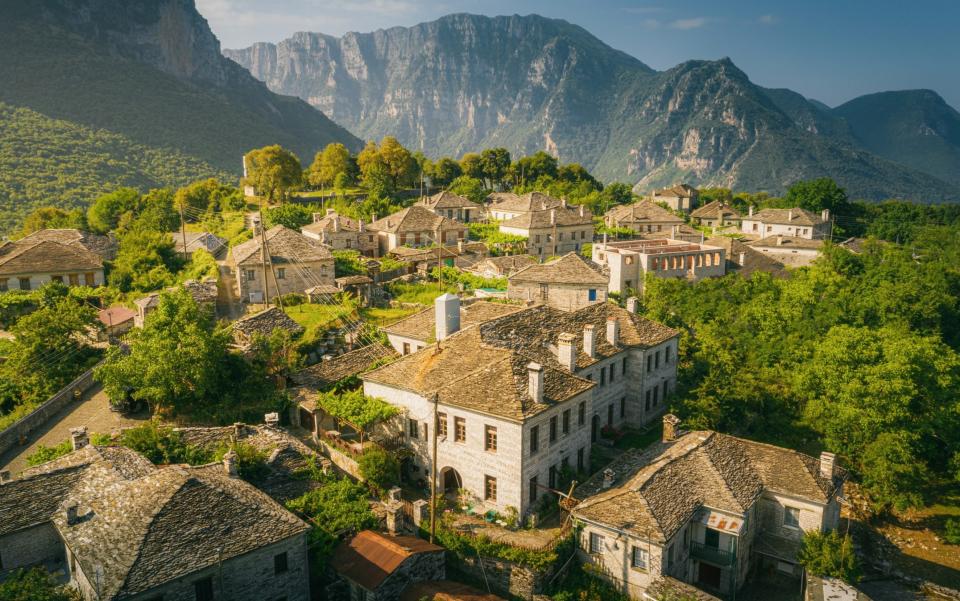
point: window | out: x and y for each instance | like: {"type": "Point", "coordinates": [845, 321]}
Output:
{"type": "Point", "coordinates": [560, 237]}
{"type": "Point", "coordinates": [24, 283]}
{"type": "Point", "coordinates": [666, 355]}
{"type": "Point", "coordinates": [603, 376]}
{"type": "Point", "coordinates": [544, 291]}
{"type": "Point", "coordinates": [552, 476]}
{"type": "Point", "coordinates": [582, 413]}
{"type": "Point", "coordinates": [791, 517]}
{"type": "Point", "coordinates": [459, 429]}
{"type": "Point", "coordinates": [203, 589]}
{"type": "Point", "coordinates": [413, 427]}
{"type": "Point", "coordinates": [711, 538]}
{"type": "Point", "coordinates": [610, 415]}
{"type": "Point", "coordinates": [646, 403]}
{"type": "Point", "coordinates": [656, 361]}
{"type": "Point", "coordinates": [534, 439]}
{"type": "Point", "coordinates": [623, 368]}
{"type": "Point", "coordinates": [655, 397]}
{"type": "Point", "coordinates": [580, 464]}
{"type": "Point", "coordinates": [490, 438]}
{"type": "Point", "coordinates": [623, 406]}
{"type": "Point", "coordinates": [534, 490]}
{"type": "Point", "coordinates": [665, 390]}
{"type": "Point", "coordinates": [250, 275]}
{"type": "Point", "coordinates": [56, 278]}
{"type": "Point", "coordinates": [553, 428]}
{"type": "Point", "coordinates": [426, 431]}
{"type": "Point", "coordinates": [670, 557]}
{"type": "Point", "coordinates": [649, 363]}
{"type": "Point", "coordinates": [592, 294]}
{"type": "Point", "coordinates": [4, 286]}
{"type": "Point", "coordinates": [596, 543]}
{"type": "Point", "coordinates": [406, 348]}
{"type": "Point", "coordinates": [88, 279]}
{"type": "Point", "coordinates": [612, 368]}
{"type": "Point", "coordinates": [281, 273]}
{"type": "Point", "coordinates": [442, 425]}
{"type": "Point", "coordinates": [489, 488]}
{"type": "Point", "coordinates": [537, 238]}
{"type": "Point", "coordinates": [566, 422]}
{"type": "Point", "coordinates": [280, 563]}
{"type": "Point", "coordinates": [638, 558]}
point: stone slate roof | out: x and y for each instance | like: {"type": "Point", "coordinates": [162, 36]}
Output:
{"type": "Point", "coordinates": [490, 360]}
{"type": "Point", "coordinates": [353, 280]}
{"type": "Point", "coordinates": [545, 218]}
{"type": "Point", "coordinates": [328, 224]}
{"type": "Point", "coordinates": [416, 218]}
{"type": "Point", "coordinates": [571, 268]}
{"type": "Point", "coordinates": [25, 257]}
{"type": "Point", "coordinates": [265, 322]}
{"type": "Point", "coordinates": [714, 210]}
{"type": "Point", "coordinates": [754, 260]}
{"type": "Point", "coordinates": [105, 246]}
{"type": "Point", "coordinates": [327, 373]}
{"type": "Point", "coordinates": [448, 200]}
{"type": "Point", "coordinates": [142, 526]}
{"type": "Point", "coordinates": [678, 190]}
{"type": "Point", "coordinates": [666, 587]}
{"type": "Point", "coordinates": [787, 242]}
{"type": "Point", "coordinates": [506, 264]}
{"type": "Point", "coordinates": [531, 201]}
{"type": "Point", "coordinates": [202, 291]}
{"type": "Point", "coordinates": [369, 557]}
{"type": "Point", "coordinates": [794, 216]}
{"type": "Point", "coordinates": [286, 246]}
{"type": "Point", "coordinates": [657, 489]}
{"type": "Point", "coordinates": [197, 240]}
{"type": "Point", "coordinates": [422, 325]}
{"type": "Point", "coordinates": [641, 212]}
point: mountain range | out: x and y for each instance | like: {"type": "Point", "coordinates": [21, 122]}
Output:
{"type": "Point", "coordinates": [466, 82]}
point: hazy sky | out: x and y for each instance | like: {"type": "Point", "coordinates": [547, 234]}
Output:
{"type": "Point", "coordinates": [828, 50]}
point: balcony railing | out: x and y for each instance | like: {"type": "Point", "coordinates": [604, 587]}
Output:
{"type": "Point", "coordinates": [712, 554]}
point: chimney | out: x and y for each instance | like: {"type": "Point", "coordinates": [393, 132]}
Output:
{"type": "Point", "coordinates": [71, 511]}
{"type": "Point", "coordinates": [79, 438]}
{"type": "Point", "coordinates": [361, 226]}
{"type": "Point", "coordinates": [272, 419]}
{"type": "Point", "coordinates": [609, 477]}
{"type": "Point", "coordinates": [4, 476]}
{"type": "Point", "coordinates": [329, 211]}
{"type": "Point", "coordinates": [750, 211]}
{"type": "Point", "coordinates": [535, 386]}
{"type": "Point", "coordinates": [827, 462]}
{"type": "Point", "coordinates": [317, 216]}
{"type": "Point", "coordinates": [563, 202]}
{"type": "Point", "coordinates": [238, 428]}
{"type": "Point", "coordinates": [336, 223]}
{"type": "Point", "coordinates": [743, 259]}
{"type": "Point", "coordinates": [779, 240]}
{"type": "Point", "coordinates": [825, 215]}
{"type": "Point", "coordinates": [461, 246]}
{"type": "Point", "coordinates": [790, 215]}
{"type": "Point", "coordinates": [553, 216]}
{"type": "Point", "coordinates": [447, 315]}
{"type": "Point", "coordinates": [633, 304]}
{"type": "Point", "coordinates": [373, 217]}
{"type": "Point", "coordinates": [671, 427]}
{"type": "Point", "coordinates": [230, 463]}
{"type": "Point", "coordinates": [590, 340]}
{"type": "Point", "coordinates": [582, 211]}
{"type": "Point", "coordinates": [394, 494]}
{"type": "Point", "coordinates": [567, 351]}
{"type": "Point", "coordinates": [613, 331]}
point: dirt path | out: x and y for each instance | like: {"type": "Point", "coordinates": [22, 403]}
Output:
{"type": "Point", "coordinates": [93, 411]}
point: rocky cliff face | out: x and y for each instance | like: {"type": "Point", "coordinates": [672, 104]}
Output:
{"type": "Point", "coordinates": [466, 82]}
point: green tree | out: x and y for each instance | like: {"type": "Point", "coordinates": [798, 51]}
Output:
{"type": "Point", "coordinates": [146, 260]}
{"type": "Point", "coordinates": [328, 164]}
{"type": "Point", "coordinates": [468, 187]}
{"type": "Point", "coordinates": [177, 360]}
{"type": "Point", "coordinates": [293, 216]}
{"type": "Point", "coordinates": [34, 585]}
{"type": "Point", "coordinates": [106, 212]}
{"type": "Point", "coordinates": [208, 195]}
{"type": "Point", "coordinates": [496, 165]}
{"type": "Point", "coordinates": [273, 171]}
{"type": "Point", "coordinates": [472, 165]}
{"type": "Point", "coordinates": [575, 173]}
{"type": "Point", "coordinates": [53, 217]}
{"type": "Point", "coordinates": [829, 555]}
{"type": "Point", "coordinates": [445, 171]}
{"type": "Point", "coordinates": [816, 195]}
{"type": "Point", "coordinates": [401, 165]}
{"type": "Point", "coordinates": [379, 468]}
{"type": "Point", "coordinates": [533, 167]}
{"type": "Point", "coordinates": [156, 211]}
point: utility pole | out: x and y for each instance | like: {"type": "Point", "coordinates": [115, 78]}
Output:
{"type": "Point", "coordinates": [433, 469]}
{"type": "Point", "coordinates": [183, 232]}
{"type": "Point", "coordinates": [265, 251]}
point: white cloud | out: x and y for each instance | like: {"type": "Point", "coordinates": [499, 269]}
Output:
{"type": "Point", "coordinates": [692, 23]}
{"type": "Point", "coordinates": [651, 24]}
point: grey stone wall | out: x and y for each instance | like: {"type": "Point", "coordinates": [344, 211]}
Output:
{"type": "Point", "coordinates": [505, 578]}
{"type": "Point", "coordinates": [418, 568]}
{"type": "Point", "coordinates": [30, 546]}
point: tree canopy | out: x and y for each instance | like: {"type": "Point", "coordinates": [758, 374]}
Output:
{"type": "Point", "coordinates": [273, 171]}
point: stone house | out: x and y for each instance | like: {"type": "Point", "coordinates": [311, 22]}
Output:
{"type": "Point", "coordinates": [681, 197]}
{"type": "Point", "coordinates": [503, 206]}
{"type": "Point", "coordinates": [190, 242]}
{"type": "Point", "coordinates": [116, 320]}
{"type": "Point", "coordinates": [453, 206]}
{"type": "Point", "coordinates": [500, 267]}
{"type": "Point", "coordinates": [104, 245]}
{"type": "Point", "coordinates": [30, 263]}
{"type": "Point", "coordinates": [416, 226]}
{"type": "Point", "coordinates": [792, 251]}
{"type": "Point", "coordinates": [378, 567]}
{"type": "Point", "coordinates": [716, 214]}
{"type": "Point", "coordinates": [629, 261]}
{"type": "Point", "coordinates": [704, 508]}
{"type": "Point", "coordinates": [796, 222]}
{"type": "Point", "coordinates": [744, 260]}
{"type": "Point", "coordinates": [263, 323]}
{"type": "Point", "coordinates": [203, 292]}
{"type": "Point", "coordinates": [418, 331]}
{"type": "Point", "coordinates": [644, 217]}
{"type": "Point", "coordinates": [516, 402]}
{"type": "Point", "coordinates": [553, 231]}
{"type": "Point", "coordinates": [339, 232]}
{"type": "Point", "coordinates": [118, 527]}
{"type": "Point", "coordinates": [299, 263]}
{"type": "Point", "coordinates": [567, 283]}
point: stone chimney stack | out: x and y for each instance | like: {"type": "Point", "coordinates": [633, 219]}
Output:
{"type": "Point", "coordinates": [743, 259]}
{"type": "Point", "coordinates": [613, 331]}
{"type": "Point", "coordinates": [361, 226]}
{"type": "Point", "coordinates": [535, 387]}
{"type": "Point", "coordinates": [567, 351]}
{"type": "Point", "coordinates": [633, 305]}
{"type": "Point", "coordinates": [553, 216]}
{"type": "Point", "coordinates": [272, 419]}
{"type": "Point", "coordinates": [590, 340]}
{"type": "Point", "coordinates": [72, 510]}
{"type": "Point", "coordinates": [238, 429]}
{"type": "Point", "coordinates": [583, 211]}
{"type": "Point", "coordinates": [447, 315]}
{"type": "Point", "coordinates": [750, 211]}
{"type": "Point", "coordinates": [790, 215]}
{"type": "Point", "coordinates": [461, 246]}
{"type": "Point", "coordinates": [827, 464]}
{"type": "Point", "coordinates": [779, 240]}
{"type": "Point", "coordinates": [671, 427]}
{"type": "Point", "coordinates": [609, 477]}
{"type": "Point", "coordinates": [825, 215]}
{"type": "Point", "coordinates": [79, 438]}
{"type": "Point", "coordinates": [330, 211]}
{"type": "Point", "coordinates": [336, 223]}
{"type": "Point", "coordinates": [230, 463]}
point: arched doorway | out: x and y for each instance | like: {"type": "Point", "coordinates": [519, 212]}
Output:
{"type": "Point", "coordinates": [594, 428]}
{"type": "Point", "coordinates": [450, 480]}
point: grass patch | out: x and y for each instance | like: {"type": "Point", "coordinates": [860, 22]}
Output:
{"type": "Point", "coordinates": [318, 317]}
{"type": "Point", "coordinates": [383, 317]}
{"type": "Point", "coordinates": [422, 293]}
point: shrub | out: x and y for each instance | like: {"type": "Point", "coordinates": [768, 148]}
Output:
{"type": "Point", "coordinates": [161, 444]}
{"type": "Point", "coordinates": [251, 461]}
{"type": "Point", "coordinates": [951, 531]}
{"type": "Point", "coordinates": [44, 454]}
{"type": "Point", "coordinates": [829, 554]}
{"type": "Point", "coordinates": [379, 468]}
{"type": "Point", "coordinates": [34, 585]}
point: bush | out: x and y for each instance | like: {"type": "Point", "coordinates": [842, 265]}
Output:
{"type": "Point", "coordinates": [161, 444]}
{"type": "Point", "coordinates": [44, 454]}
{"type": "Point", "coordinates": [379, 468]}
{"type": "Point", "coordinates": [951, 531]}
{"type": "Point", "coordinates": [251, 461]}
{"type": "Point", "coordinates": [34, 585]}
{"type": "Point", "coordinates": [830, 555]}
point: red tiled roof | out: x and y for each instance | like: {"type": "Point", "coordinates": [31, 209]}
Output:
{"type": "Point", "coordinates": [369, 557]}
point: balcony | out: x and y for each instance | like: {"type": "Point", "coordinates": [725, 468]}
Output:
{"type": "Point", "coordinates": [713, 555]}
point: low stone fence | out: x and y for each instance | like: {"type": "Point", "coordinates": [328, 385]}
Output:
{"type": "Point", "coordinates": [22, 428]}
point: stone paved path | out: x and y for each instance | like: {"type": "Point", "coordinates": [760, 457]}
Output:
{"type": "Point", "coordinates": [93, 411]}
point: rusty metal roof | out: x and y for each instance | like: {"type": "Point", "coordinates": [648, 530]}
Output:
{"type": "Point", "coordinates": [369, 557]}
